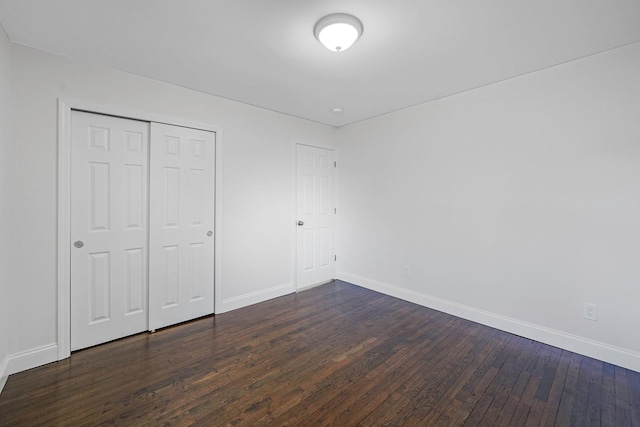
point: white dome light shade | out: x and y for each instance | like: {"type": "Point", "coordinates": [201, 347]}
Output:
{"type": "Point", "coordinates": [338, 32]}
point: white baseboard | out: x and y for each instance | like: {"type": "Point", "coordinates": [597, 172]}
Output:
{"type": "Point", "coordinates": [22, 361]}
{"type": "Point", "coordinates": [4, 372]}
{"type": "Point", "coordinates": [315, 285]}
{"type": "Point", "coordinates": [49, 353]}
{"type": "Point", "coordinates": [595, 349]}
{"type": "Point", "coordinates": [32, 358]}
{"type": "Point", "coordinates": [233, 303]}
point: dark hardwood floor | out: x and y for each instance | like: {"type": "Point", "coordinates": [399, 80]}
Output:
{"type": "Point", "coordinates": [333, 355]}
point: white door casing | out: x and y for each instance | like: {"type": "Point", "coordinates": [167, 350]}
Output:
{"type": "Point", "coordinates": [108, 228]}
{"type": "Point", "coordinates": [315, 254]}
{"type": "Point", "coordinates": [181, 242]}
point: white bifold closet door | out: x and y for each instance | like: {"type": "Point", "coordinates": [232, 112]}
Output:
{"type": "Point", "coordinates": [109, 199]}
{"type": "Point", "coordinates": [181, 242]}
{"type": "Point", "coordinates": [142, 221]}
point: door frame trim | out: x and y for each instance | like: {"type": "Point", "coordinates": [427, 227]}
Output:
{"type": "Point", "coordinates": [63, 250]}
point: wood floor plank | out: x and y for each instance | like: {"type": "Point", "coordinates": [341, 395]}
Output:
{"type": "Point", "coordinates": [466, 400]}
{"type": "Point", "coordinates": [556, 390]}
{"type": "Point", "coordinates": [594, 410]}
{"type": "Point", "coordinates": [439, 397]}
{"type": "Point", "coordinates": [504, 385]}
{"type": "Point", "coordinates": [347, 408]}
{"type": "Point", "coordinates": [563, 416]}
{"type": "Point", "coordinates": [334, 355]}
{"type": "Point", "coordinates": [623, 398]}
{"type": "Point", "coordinates": [508, 414]}
{"type": "Point", "coordinates": [397, 374]}
{"type": "Point", "coordinates": [608, 405]}
{"type": "Point", "coordinates": [449, 406]}
{"type": "Point", "coordinates": [634, 391]}
{"type": "Point", "coordinates": [396, 408]}
{"type": "Point", "coordinates": [527, 403]}
{"type": "Point", "coordinates": [488, 386]}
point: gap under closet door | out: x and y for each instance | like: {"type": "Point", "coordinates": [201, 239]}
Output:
{"type": "Point", "coordinates": [109, 198]}
{"type": "Point", "coordinates": [181, 242]}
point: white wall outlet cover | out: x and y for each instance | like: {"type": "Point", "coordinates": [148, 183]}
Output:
{"type": "Point", "coordinates": [406, 271]}
{"type": "Point", "coordinates": [590, 311]}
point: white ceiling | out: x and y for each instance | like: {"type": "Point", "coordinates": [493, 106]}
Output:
{"type": "Point", "coordinates": [263, 52]}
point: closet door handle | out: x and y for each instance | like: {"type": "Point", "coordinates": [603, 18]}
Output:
{"type": "Point", "coordinates": [300, 223]}
{"type": "Point", "coordinates": [78, 244]}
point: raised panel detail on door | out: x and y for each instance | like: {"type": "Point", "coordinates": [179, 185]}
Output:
{"type": "Point", "coordinates": [196, 274]}
{"type": "Point", "coordinates": [181, 256]}
{"type": "Point", "coordinates": [308, 255]}
{"type": "Point", "coordinates": [135, 188]}
{"type": "Point", "coordinates": [167, 286]}
{"type": "Point", "coordinates": [307, 195]}
{"type": "Point", "coordinates": [98, 138]}
{"type": "Point", "coordinates": [99, 196]}
{"type": "Point", "coordinates": [135, 141]}
{"type": "Point", "coordinates": [315, 215]}
{"type": "Point", "coordinates": [100, 288]}
{"type": "Point", "coordinates": [325, 246]}
{"type": "Point", "coordinates": [171, 189]}
{"type": "Point", "coordinates": [109, 199]}
{"type": "Point", "coordinates": [136, 285]}
{"type": "Point", "coordinates": [325, 204]}
{"type": "Point", "coordinates": [197, 196]}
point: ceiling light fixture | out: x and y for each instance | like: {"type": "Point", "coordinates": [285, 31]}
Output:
{"type": "Point", "coordinates": [338, 31]}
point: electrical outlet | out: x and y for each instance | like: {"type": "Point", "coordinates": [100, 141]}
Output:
{"type": "Point", "coordinates": [405, 271]}
{"type": "Point", "coordinates": [590, 311]}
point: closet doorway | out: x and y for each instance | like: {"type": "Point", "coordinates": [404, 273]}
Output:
{"type": "Point", "coordinates": [141, 226]}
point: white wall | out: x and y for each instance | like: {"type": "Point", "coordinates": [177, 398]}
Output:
{"type": "Point", "coordinates": [512, 204]}
{"type": "Point", "coordinates": [4, 225]}
{"type": "Point", "coordinates": [258, 177]}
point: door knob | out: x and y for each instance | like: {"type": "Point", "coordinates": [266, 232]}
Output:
{"type": "Point", "coordinates": [209, 233]}
{"type": "Point", "coordinates": [78, 244]}
{"type": "Point", "coordinates": [300, 223]}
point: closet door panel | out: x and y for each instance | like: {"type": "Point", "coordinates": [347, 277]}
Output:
{"type": "Point", "coordinates": [109, 199]}
{"type": "Point", "coordinates": [181, 225]}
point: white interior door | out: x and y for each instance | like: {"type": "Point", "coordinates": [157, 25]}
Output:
{"type": "Point", "coordinates": [181, 273]}
{"type": "Point", "coordinates": [109, 159]}
{"type": "Point", "coordinates": [315, 260]}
